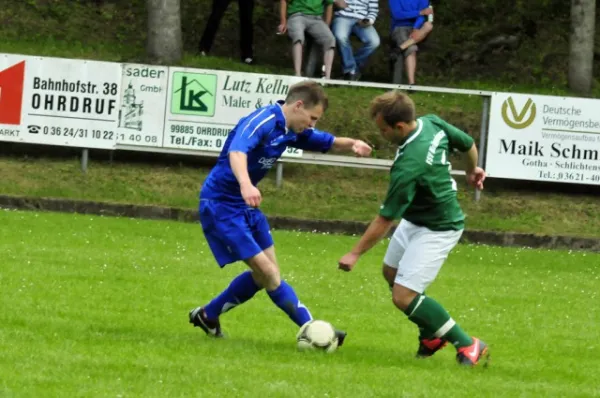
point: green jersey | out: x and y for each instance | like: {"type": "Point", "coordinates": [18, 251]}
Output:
{"type": "Point", "coordinates": [308, 7]}
{"type": "Point", "coordinates": [421, 189]}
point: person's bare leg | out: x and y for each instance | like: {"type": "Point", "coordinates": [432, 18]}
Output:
{"type": "Point", "coordinates": [411, 66]}
{"type": "Point", "coordinates": [417, 36]}
{"type": "Point", "coordinates": [297, 57]}
{"type": "Point", "coordinates": [328, 61]}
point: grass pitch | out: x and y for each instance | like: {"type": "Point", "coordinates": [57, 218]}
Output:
{"type": "Point", "coordinates": [335, 193]}
{"type": "Point", "coordinates": [97, 307]}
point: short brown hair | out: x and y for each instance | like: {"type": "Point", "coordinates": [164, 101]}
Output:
{"type": "Point", "coordinates": [309, 92]}
{"type": "Point", "coordinates": [394, 107]}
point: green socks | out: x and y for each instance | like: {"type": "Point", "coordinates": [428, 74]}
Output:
{"type": "Point", "coordinates": [434, 321]}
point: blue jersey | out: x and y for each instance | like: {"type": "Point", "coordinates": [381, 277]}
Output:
{"type": "Point", "coordinates": [407, 13]}
{"type": "Point", "coordinates": [263, 136]}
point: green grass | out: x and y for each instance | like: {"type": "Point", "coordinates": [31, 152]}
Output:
{"type": "Point", "coordinates": [50, 47]}
{"type": "Point", "coordinates": [113, 52]}
{"type": "Point", "coordinates": [333, 193]}
{"type": "Point", "coordinates": [97, 307]}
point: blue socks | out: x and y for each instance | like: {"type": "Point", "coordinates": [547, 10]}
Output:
{"type": "Point", "coordinates": [241, 289]}
{"type": "Point", "coordinates": [285, 298]}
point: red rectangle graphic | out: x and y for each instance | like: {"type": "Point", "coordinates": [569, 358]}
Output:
{"type": "Point", "coordinates": [11, 93]}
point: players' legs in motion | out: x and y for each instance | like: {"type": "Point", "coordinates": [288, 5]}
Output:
{"type": "Point", "coordinates": [241, 289]}
{"type": "Point", "coordinates": [244, 235]}
{"type": "Point", "coordinates": [263, 268]}
{"type": "Point", "coordinates": [299, 318]}
{"type": "Point", "coordinates": [279, 291]}
{"type": "Point", "coordinates": [265, 274]}
{"type": "Point", "coordinates": [228, 231]}
{"type": "Point", "coordinates": [429, 344]}
{"type": "Point", "coordinates": [421, 258]}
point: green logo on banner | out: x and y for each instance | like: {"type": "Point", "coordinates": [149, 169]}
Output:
{"type": "Point", "coordinates": [194, 94]}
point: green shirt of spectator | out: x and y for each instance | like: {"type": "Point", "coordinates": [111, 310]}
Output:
{"type": "Point", "coordinates": [308, 7]}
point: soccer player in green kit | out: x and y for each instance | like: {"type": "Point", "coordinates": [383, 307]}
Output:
{"type": "Point", "coordinates": [422, 194]}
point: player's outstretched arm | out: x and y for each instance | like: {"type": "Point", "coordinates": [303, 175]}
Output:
{"type": "Point", "coordinates": [475, 175]}
{"type": "Point", "coordinates": [358, 147]}
{"type": "Point", "coordinates": [376, 231]}
{"type": "Point", "coordinates": [401, 192]}
{"type": "Point", "coordinates": [239, 166]}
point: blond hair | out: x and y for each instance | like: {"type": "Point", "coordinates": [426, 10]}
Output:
{"type": "Point", "coordinates": [394, 107]}
{"type": "Point", "coordinates": [309, 92]}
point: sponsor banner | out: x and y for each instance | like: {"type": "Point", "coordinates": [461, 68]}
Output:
{"type": "Point", "coordinates": [12, 75]}
{"type": "Point", "coordinates": [204, 105]}
{"type": "Point", "coordinates": [544, 138]}
{"type": "Point", "coordinates": [143, 100]}
{"type": "Point", "coordinates": [59, 101]}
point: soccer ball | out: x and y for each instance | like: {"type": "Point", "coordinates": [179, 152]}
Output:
{"type": "Point", "coordinates": [317, 335]}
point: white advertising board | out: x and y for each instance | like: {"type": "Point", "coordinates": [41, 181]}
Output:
{"type": "Point", "coordinates": [143, 101]}
{"type": "Point", "coordinates": [544, 138]}
{"type": "Point", "coordinates": [204, 105]}
{"type": "Point", "coordinates": [59, 101]}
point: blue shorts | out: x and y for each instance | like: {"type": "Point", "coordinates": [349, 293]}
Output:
{"type": "Point", "coordinates": [233, 232]}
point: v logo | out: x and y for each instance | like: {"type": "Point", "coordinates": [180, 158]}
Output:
{"type": "Point", "coordinates": [519, 117]}
{"type": "Point", "coordinates": [516, 119]}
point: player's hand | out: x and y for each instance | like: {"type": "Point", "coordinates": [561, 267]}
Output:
{"type": "Point", "coordinates": [361, 148]}
{"type": "Point", "coordinates": [476, 177]}
{"type": "Point", "coordinates": [282, 28]}
{"type": "Point", "coordinates": [426, 11]}
{"type": "Point", "coordinates": [347, 262]}
{"type": "Point", "coordinates": [251, 195]}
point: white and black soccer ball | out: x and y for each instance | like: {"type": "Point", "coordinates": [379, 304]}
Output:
{"type": "Point", "coordinates": [317, 335]}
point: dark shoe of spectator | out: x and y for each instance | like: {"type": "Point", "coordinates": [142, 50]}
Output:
{"type": "Point", "coordinates": [396, 53]}
{"type": "Point", "coordinates": [352, 76]}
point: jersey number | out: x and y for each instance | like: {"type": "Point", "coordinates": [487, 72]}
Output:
{"type": "Point", "coordinates": [445, 161]}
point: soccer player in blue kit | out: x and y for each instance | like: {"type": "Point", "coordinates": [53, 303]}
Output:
{"type": "Point", "coordinates": [232, 223]}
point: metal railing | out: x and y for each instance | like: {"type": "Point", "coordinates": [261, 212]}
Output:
{"type": "Point", "coordinates": [347, 161]}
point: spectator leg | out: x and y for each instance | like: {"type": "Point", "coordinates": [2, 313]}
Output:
{"type": "Point", "coordinates": [313, 59]}
{"type": "Point", "coordinates": [296, 27]}
{"type": "Point", "coordinates": [342, 29]}
{"type": "Point", "coordinates": [418, 35]}
{"type": "Point", "coordinates": [246, 11]}
{"type": "Point", "coordinates": [328, 61]}
{"type": "Point", "coordinates": [208, 37]}
{"type": "Point", "coordinates": [397, 69]}
{"type": "Point", "coordinates": [297, 58]}
{"type": "Point", "coordinates": [411, 66]}
{"type": "Point", "coordinates": [320, 32]}
{"type": "Point", "coordinates": [370, 39]}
